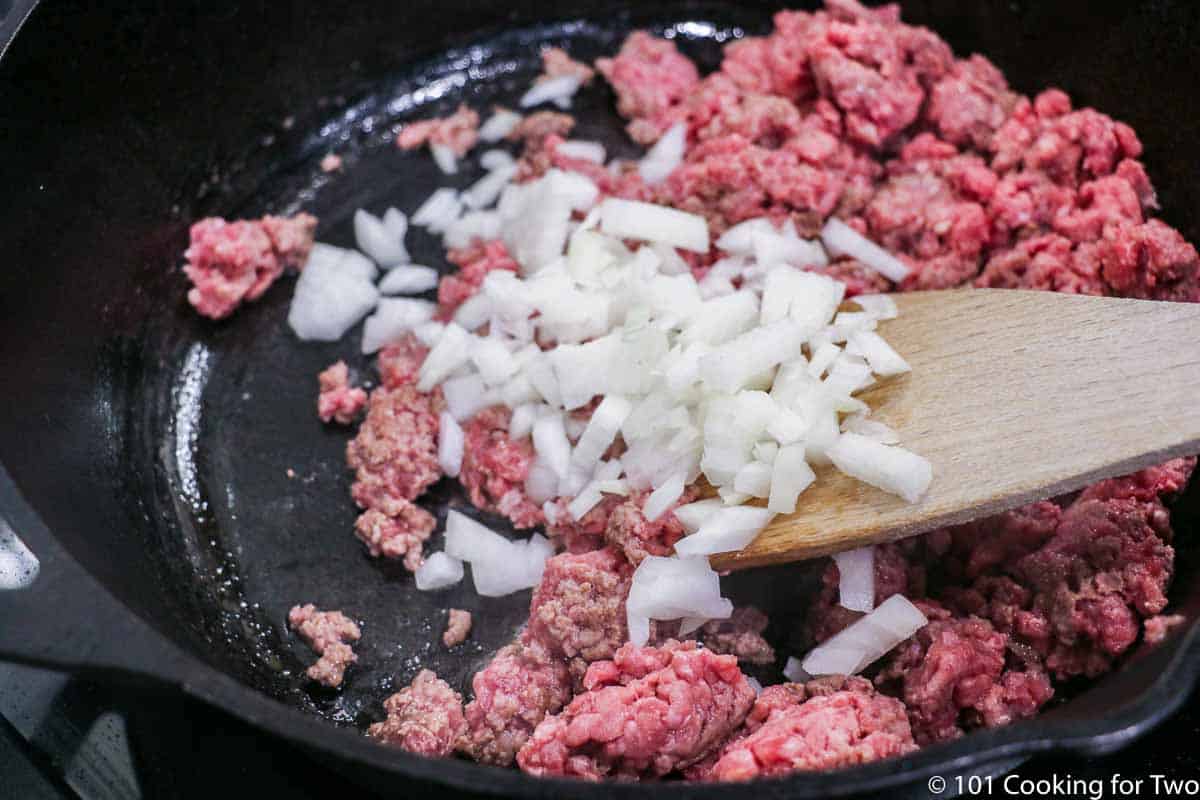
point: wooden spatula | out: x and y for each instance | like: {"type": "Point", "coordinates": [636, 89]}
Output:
{"type": "Point", "coordinates": [1014, 396]}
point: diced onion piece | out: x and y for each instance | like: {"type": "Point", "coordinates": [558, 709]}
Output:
{"type": "Point", "coordinates": [856, 578]}
{"type": "Point", "coordinates": [673, 588]}
{"type": "Point", "coordinates": [732, 365]}
{"type": "Point", "coordinates": [884, 361]}
{"type": "Point", "coordinates": [487, 189]}
{"type": "Point", "coordinates": [754, 683]}
{"type": "Point", "coordinates": [892, 469]}
{"type": "Point", "coordinates": [722, 318]}
{"type": "Point", "coordinates": [794, 672]}
{"type": "Point", "coordinates": [439, 210]}
{"type": "Point", "coordinates": [450, 444]}
{"type": "Point", "coordinates": [498, 566]}
{"type": "Point", "coordinates": [409, 279]}
{"type": "Point", "coordinates": [726, 531]}
{"type": "Point", "coordinates": [551, 443]}
{"type": "Point", "coordinates": [466, 396]}
{"type": "Point", "coordinates": [541, 485]}
{"type": "Point", "coordinates": [632, 219]}
{"type": "Point", "coordinates": [493, 360]}
{"type": "Point", "coordinates": [662, 498]}
{"type": "Point", "coordinates": [396, 223]}
{"type": "Point", "coordinates": [377, 241]}
{"type": "Point", "coordinates": [450, 353]}
{"type": "Point", "coordinates": [520, 424]}
{"type": "Point", "coordinates": [499, 125]}
{"type": "Point", "coordinates": [557, 90]}
{"type": "Point", "coordinates": [872, 429]}
{"type": "Point", "coordinates": [600, 432]}
{"type": "Point", "coordinates": [438, 572]}
{"type": "Point", "coordinates": [445, 158]}
{"type": "Point", "coordinates": [841, 239]}
{"type": "Point", "coordinates": [393, 317]}
{"type": "Point", "coordinates": [331, 295]}
{"type": "Point", "coordinates": [823, 358]}
{"type": "Point", "coordinates": [492, 160]}
{"type": "Point", "coordinates": [481, 225]}
{"type": "Point", "coordinates": [753, 479]}
{"type": "Point", "coordinates": [666, 154]}
{"type": "Point", "coordinates": [584, 151]}
{"type": "Point", "coordinates": [865, 641]}
{"type": "Point", "coordinates": [790, 476]}
{"type": "Point", "coordinates": [879, 306]}
{"type": "Point", "coordinates": [693, 515]}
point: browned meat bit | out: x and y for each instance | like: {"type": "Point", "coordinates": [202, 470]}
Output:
{"type": "Point", "coordinates": [459, 132]}
{"type": "Point", "coordinates": [331, 163]}
{"type": "Point", "coordinates": [648, 712]}
{"type": "Point", "coordinates": [337, 400]}
{"type": "Point", "coordinates": [1160, 627]}
{"type": "Point", "coordinates": [458, 627]}
{"type": "Point", "coordinates": [556, 63]}
{"type": "Point", "coordinates": [958, 673]}
{"type": "Point", "coordinates": [398, 536]}
{"type": "Point", "coordinates": [327, 633]}
{"type": "Point", "coordinates": [740, 635]}
{"type": "Point", "coordinates": [637, 537]}
{"type": "Point", "coordinates": [578, 610]}
{"type": "Point", "coordinates": [513, 693]}
{"type": "Point", "coordinates": [426, 718]}
{"type": "Point", "coordinates": [831, 729]}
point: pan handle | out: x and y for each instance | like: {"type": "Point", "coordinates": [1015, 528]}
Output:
{"type": "Point", "coordinates": [13, 14]}
{"type": "Point", "coordinates": [63, 618]}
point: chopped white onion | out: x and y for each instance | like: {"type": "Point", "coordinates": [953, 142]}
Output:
{"type": "Point", "coordinates": [794, 672]}
{"type": "Point", "coordinates": [632, 219]}
{"type": "Point", "coordinates": [393, 317]}
{"type": "Point", "coordinates": [551, 443]}
{"type": "Point", "coordinates": [451, 352]}
{"type": "Point", "coordinates": [492, 160]}
{"type": "Point", "coordinates": [438, 572]}
{"type": "Point", "coordinates": [498, 566]}
{"type": "Point", "coordinates": [557, 90]}
{"type": "Point", "coordinates": [333, 293]}
{"type": "Point", "coordinates": [445, 158]}
{"type": "Point", "coordinates": [841, 239]}
{"type": "Point", "coordinates": [865, 641]}
{"type": "Point", "coordinates": [662, 498]}
{"type": "Point", "coordinates": [666, 154]}
{"type": "Point", "coordinates": [377, 241]}
{"type": "Point", "coordinates": [485, 191]}
{"type": "Point", "coordinates": [879, 306]}
{"type": "Point", "coordinates": [409, 279]}
{"type": "Point", "coordinates": [396, 223]}
{"type": "Point", "coordinates": [439, 210]}
{"type": "Point", "coordinates": [499, 125]}
{"type": "Point", "coordinates": [884, 361]}
{"type": "Point", "coordinates": [856, 578]}
{"type": "Point", "coordinates": [892, 469]}
{"type": "Point", "coordinates": [673, 588]}
{"type": "Point", "coordinates": [872, 429]}
{"type": "Point", "coordinates": [450, 444]}
{"type": "Point", "coordinates": [466, 396]}
{"type": "Point", "coordinates": [729, 529]}
{"type": "Point", "coordinates": [790, 476]}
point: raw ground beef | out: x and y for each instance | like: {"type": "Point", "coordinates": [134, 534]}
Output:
{"type": "Point", "coordinates": [394, 456]}
{"type": "Point", "coordinates": [1160, 627]}
{"type": "Point", "coordinates": [628, 530]}
{"type": "Point", "coordinates": [495, 466]}
{"type": "Point", "coordinates": [578, 609]}
{"type": "Point", "coordinates": [337, 400]}
{"type": "Point", "coordinates": [835, 724]}
{"type": "Point", "coordinates": [458, 627]}
{"type": "Point", "coordinates": [459, 132]}
{"type": "Point", "coordinates": [556, 63]}
{"type": "Point", "coordinates": [648, 712]}
{"type": "Point", "coordinates": [232, 262]}
{"type": "Point", "coordinates": [650, 78]}
{"type": "Point", "coordinates": [328, 633]}
{"type": "Point", "coordinates": [399, 362]}
{"type": "Point", "coordinates": [513, 694]}
{"type": "Point", "coordinates": [425, 718]}
{"type": "Point", "coordinates": [583, 534]}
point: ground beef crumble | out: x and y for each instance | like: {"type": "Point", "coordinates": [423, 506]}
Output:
{"type": "Point", "coordinates": [459, 132]}
{"type": "Point", "coordinates": [458, 627]}
{"type": "Point", "coordinates": [337, 400]}
{"type": "Point", "coordinates": [230, 263]}
{"type": "Point", "coordinates": [495, 466]}
{"type": "Point", "coordinates": [646, 713]}
{"type": "Point", "coordinates": [425, 718]}
{"type": "Point", "coordinates": [328, 633]}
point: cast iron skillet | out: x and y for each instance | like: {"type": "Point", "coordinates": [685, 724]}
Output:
{"type": "Point", "coordinates": [146, 451]}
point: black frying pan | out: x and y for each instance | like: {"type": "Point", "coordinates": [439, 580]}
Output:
{"type": "Point", "coordinates": [145, 450]}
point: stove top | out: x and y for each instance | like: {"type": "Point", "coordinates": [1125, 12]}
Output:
{"type": "Point", "coordinates": [62, 738]}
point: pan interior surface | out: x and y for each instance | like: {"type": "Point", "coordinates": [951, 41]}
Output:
{"type": "Point", "coordinates": [182, 460]}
